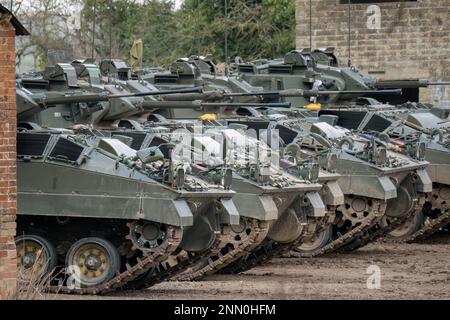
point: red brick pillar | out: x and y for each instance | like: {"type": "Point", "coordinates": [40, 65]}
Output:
{"type": "Point", "coordinates": [8, 187]}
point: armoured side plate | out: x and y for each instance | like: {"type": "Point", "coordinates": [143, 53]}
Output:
{"type": "Point", "coordinates": [439, 173]}
{"type": "Point", "coordinates": [73, 205]}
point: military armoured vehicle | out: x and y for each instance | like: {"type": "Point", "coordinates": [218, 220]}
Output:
{"type": "Point", "coordinates": [76, 170]}
{"type": "Point", "coordinates": [106, 216]}
{"type": "Point", "coordinates": [320, 70]}
{"type": "Point", "coordinates": [401, 127]}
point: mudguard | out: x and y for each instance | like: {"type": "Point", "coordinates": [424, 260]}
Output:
{"type": "Point", "coordinates": [318, 207]}
{"type": "Point", "coordinates": [332, 194]}
{"type": "Point", "coordinates": [424, 183]}
{"type": "Point", "coordinates": [202, 234]}
{"type": "Point", "coordinates": [173, 212]}
{"type": "Point", "coordinates": [369, 186]}
{"type": "Point", "coordinates": [229, 213]}
{"type": "Point", "coordinates": [261, 207]}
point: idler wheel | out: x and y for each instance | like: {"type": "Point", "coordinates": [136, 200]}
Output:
{"type": "Point", "coordinates": [36, 258]}
{"type": "Point", "coordinates": [319, 240]}
{"type": "Point", "coordinates": [286, 228]}
{"type": "Point", "coordinates": [198, 237]}
{"type": "Point", "coordinates": [411, 226]}
{"type": "Point", "coordinates": [93, 261]}
{"type": "Point", "coordinates": [400, 206]}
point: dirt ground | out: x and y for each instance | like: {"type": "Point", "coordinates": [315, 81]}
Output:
{"type": "Point", "coordinates": [408, 271]}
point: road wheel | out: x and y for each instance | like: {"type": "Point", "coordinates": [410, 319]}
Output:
{"type": "Point", "coordinates": [93, 261]}
{"type": "Point", "coordinates": [36, 257]}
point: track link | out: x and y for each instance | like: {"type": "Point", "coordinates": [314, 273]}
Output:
{"type": "Point", "coordinates": [369, 222]}
{"type": "Point", "coordinates": [379, 230]}
{"type": "Point", "coordinates": [431, 226]}
{"type": "Point", "coordinates": [228, 253]}
{"type": "Point", "coordinates": [264, 252]}
{"type": "Point", "coordinates": [177, 264]}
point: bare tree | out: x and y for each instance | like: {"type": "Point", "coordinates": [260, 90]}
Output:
{"type": "Point", "coordinates": [50, 23]}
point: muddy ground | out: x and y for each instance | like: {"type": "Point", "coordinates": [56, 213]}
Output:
{"type": "Point", "coordinates": [408, 271]}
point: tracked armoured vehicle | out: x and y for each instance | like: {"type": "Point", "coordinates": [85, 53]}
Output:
{"type": "Point", "coordinates": [320, 70]}
{"type": "Point", "coordinates": [157, 217]}
{"type": "Point", "coordinates": [106, 216]}
{"type": "Point", "coordinates": [402, 127]}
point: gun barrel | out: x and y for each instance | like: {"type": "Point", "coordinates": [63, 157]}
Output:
{"type": "Point", "coordinates": [361, 92]}
{"type": "Point", "coordinates": [171, 104]}
{"type": "Point", "coordinates": [199, 104]}
{"type": "Point", "coordinates": [312, 93]}
{"type": "Point", "coordinates": [54, 99]}
{"type": "Point", "coordinates": [416, 127]}
{"type": "Point", "coordinates": [205, 96]}
{"type": "Point", "coordinates": [247, 104]}
{"type": "Point", "coordinates": [252, 94]}
{"type": "Point", "coordinates": [51, 100]}
{"type": "Point", "coordinates": [421, 83]}
{"type": "Point", "coordinates": [157, 93]}
{"type": "Point", "coordinates": [439, 83]}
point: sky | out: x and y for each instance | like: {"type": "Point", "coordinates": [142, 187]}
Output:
{"type": "Point", "coordinates": [178, 3]}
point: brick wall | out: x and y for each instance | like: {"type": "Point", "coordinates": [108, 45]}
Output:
{"type": "Point", "coordinates": [412, 41]}
{"type": "Point", "coordinates": [8, 266]}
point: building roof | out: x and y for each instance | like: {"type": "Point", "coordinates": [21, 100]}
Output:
{"type": "Point", "coordinates": [20, 29]}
